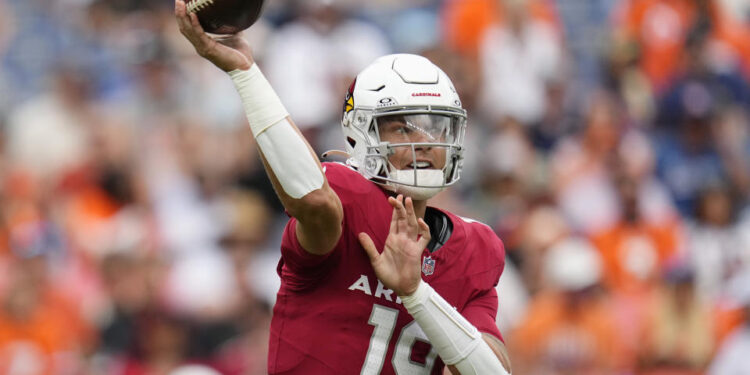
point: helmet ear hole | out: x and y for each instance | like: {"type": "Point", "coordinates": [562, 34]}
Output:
{"type": "Point", "coordinates": [351, 141]}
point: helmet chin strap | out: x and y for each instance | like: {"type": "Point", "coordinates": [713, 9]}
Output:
{"type": "Point", "coordinates": [403, 182]}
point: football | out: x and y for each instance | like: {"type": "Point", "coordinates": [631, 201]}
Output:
{"type": "Point", "coordinates": [225, 16]}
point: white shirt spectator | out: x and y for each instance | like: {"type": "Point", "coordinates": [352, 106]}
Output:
{"type": "Point", "coordinates": [46, 137]}
{"type": "Point", "coordinates": [516, 70]}
{"type": "Point", "coordinates": [308, 68]}
{"type": "Point", "coordinates": [717, 255]}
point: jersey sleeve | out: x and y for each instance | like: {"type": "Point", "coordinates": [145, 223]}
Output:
{"type": "Point", "coordinates": [481, 312]}
{"type": "Point", "coordinates": [298, 268]}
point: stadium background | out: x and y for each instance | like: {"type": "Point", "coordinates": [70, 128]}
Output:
{"type": "Point", "coordinates": [608, 146]}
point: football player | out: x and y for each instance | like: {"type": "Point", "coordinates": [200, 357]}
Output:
{"type": "Point", "coordinates": [373, 281]}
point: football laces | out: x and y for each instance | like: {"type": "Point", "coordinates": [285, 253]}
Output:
{"type": "Point", "coordinates": [197, 5]}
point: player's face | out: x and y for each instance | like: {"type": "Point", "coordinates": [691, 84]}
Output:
{"type": "Point", "coordinates": [421, 129]}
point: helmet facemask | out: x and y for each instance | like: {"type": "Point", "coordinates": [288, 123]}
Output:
{"type": "Point", "coordinates": [415, 151]}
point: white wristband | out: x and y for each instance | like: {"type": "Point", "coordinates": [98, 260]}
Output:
{"type": "Point", "coordinates": [263, 107]}
{"type": "Point", "coordinates": [456, 340]}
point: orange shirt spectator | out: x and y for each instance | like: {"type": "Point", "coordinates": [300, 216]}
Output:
{"type": "Point", "coordinates": [568, 336]}
{"type": "Point", "coordinates": [569, 328]}
{"type": "Point", "coordinates": [661, 27]}
{"type": "Point", "coordinates": [38, 328]}
{"type": "Point", "coordinates": [464, 21]}
{"type": "Point", "coordinates": [633, 253]}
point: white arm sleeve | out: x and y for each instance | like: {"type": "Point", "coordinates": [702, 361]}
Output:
{"type": "Point", "coordinates": [456, 340]}
{"type": "Point", "coordinates": [284, 149]}
{"type": "Point", "coordinates": [288, 156]}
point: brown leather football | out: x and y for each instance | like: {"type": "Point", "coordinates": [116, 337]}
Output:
{"type": "Point", "coordinates": [225, 16]}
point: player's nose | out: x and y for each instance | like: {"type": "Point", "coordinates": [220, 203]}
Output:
{"type": "Point", "coordinates": [422, 146]}
{"type": "Point", "coordinates": [418, 136]}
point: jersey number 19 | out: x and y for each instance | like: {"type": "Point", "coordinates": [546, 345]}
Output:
{"type": "Point", "coordinates": [384, 320]}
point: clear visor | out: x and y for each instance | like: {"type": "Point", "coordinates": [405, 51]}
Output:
{"type": "Point", "coordinates": [417, 128]}
{"type": "Point", "coordinates": [414, 146]}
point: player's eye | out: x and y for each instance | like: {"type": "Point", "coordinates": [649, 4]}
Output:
{"type": "Point", "coordinates": [403, 130]}
{"type": "Point", "coordinates": [397, 128]}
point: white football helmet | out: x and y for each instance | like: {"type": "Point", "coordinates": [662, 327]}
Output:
{"type": "Point", "coordinates": [420, 95]}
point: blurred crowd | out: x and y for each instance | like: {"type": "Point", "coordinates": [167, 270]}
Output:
{"type": "Point", "coordinates": [608, 145]}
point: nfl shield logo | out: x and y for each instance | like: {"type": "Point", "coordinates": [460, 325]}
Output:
{"type": "Point", "coordinates": [428, 265]}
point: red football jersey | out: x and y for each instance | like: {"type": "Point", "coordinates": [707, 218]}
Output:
{"type": "Point", "coordinates": [333, 316]}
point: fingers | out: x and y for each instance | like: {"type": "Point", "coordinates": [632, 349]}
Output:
{"type": "Point", "coordinates": [404, 217]}
{"type": "Point", "coordinates": [180, 12]}
{"type": "Point", "coordinates": [180, 9]}
{"type": "Point", "coordinates": [424, 232]}
{"type": "Point", "coordinates": [411, 217]}
{"type": "Point", "coordinates": [399, 212]}
{"type": "Point", "coordinates": [195, 23]}
{"type": "Point", "coordinates": [191, 28]}
{"type": "Point", "coordinates": [369, 247]}
{"type": "Point", "coordinates": [394, 216]}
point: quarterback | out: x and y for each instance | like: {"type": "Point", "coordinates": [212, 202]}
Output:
{"type": "Point", "coordinates": [373, 281]}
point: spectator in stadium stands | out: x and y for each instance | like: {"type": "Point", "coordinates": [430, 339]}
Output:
{"type": "Point", "coordinates": [635, 250]}
{"type": "Point", "coordinates": [465, 22]}
{"type": "Point", "coordinates": [161, 345]}
{"type": "Point", "coordinates": [41, 331]}
{"type": "Point", "coordinates": [701, 69]}
{"type": "Point", "coordinates": [688, 161]}
{"type": "Point", "coordinates": [624, 77]}
{"type": "Point", "coordinates": [363, 226]}
{"type": "Point", "coordinates": [543, 226]}
{"type": "Point", "coordinates": [718, 243]}
{"type": "Point", "coordinates": [732, 137]}
{"type": "Point", "coordinates": [47, 135]}
{"type": "Point", "coordinates": [580, 167]}
{"type": "Point", "coordinates": [568, 328]}
{"type": "Point", "coordinates": [677, 336]}
{"type": "Point", "coordinates": [518, 59]}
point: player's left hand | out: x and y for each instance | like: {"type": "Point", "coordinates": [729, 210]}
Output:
{"type": "Point", "coordinates": [399, 265]}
